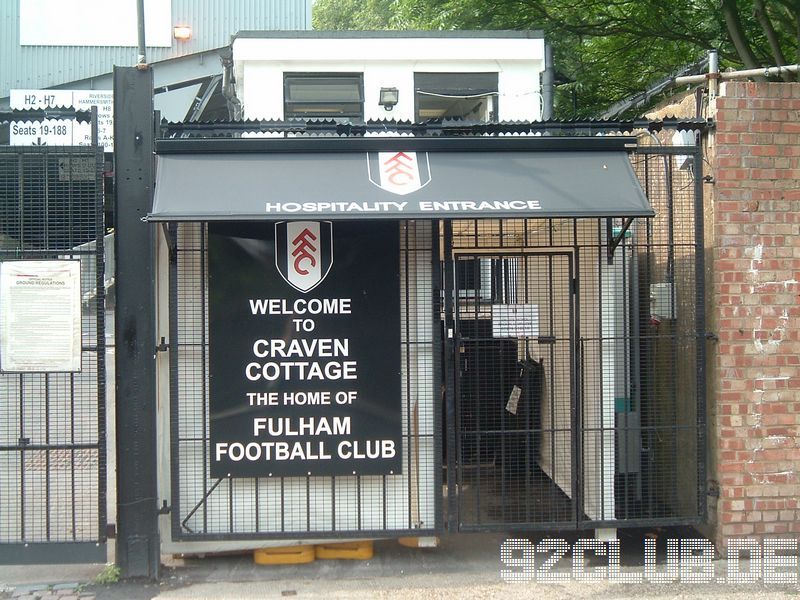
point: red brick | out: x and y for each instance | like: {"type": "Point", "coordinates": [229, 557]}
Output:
{"type": "Point", "coordinates": [756, 308]}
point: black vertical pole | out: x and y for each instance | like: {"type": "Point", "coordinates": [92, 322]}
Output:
{"type": "Point", "coordinates": [700, 308]}
{"type": "Point", "coordinates": [137, 517]}
{"type": "Point", "coordinates": [450, 363]}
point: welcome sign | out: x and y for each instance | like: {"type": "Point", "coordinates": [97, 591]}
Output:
{"type": "Point", "coordinates": [304, 349]}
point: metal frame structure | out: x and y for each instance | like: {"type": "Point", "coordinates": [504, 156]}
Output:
{"type": "Point", "coordinates": [666, 249]}
{"type": "Point", "coordinates": [663, 365]}
{"type": "Point", "coordinates": [207, 509]}
{"type": "Point", "coordinates": [620, 252]}
{"type": "Point", "coordinates": [53, 433]}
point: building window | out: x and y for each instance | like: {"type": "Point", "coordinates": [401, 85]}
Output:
{"type": "Point", "coordinates": [489, 280]}
{"type": "Point", "coordinates": [468, 96]}
{"type": "Point", "coordinates": [324, 96]}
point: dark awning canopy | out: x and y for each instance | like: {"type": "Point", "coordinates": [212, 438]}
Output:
{"type": "Point", "coordinates": [396, 178]}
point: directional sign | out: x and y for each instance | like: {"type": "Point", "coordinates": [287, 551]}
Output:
{"type": "Point", "coordinates": [62, 132]}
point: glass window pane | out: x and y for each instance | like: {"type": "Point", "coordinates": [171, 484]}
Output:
{"type": "Point", "coordinates": [323, 96]}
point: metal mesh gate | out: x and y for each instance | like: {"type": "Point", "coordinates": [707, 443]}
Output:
{"type": "Point", "coordinates": [52, 425]}
{"type": "Point", "coordinates": [234, 508]}
{"type": "Point", "coordinates": [515, 388]}
{"type": "Point", "coordinates": [580, 364]}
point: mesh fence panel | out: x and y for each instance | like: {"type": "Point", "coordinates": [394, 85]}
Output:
{"type": "Point", "coordinates": [52, 425]}
{"type": "Point", "coordinates": [577, 400]}
{"type": "Point", "coordinates": [313, 506]}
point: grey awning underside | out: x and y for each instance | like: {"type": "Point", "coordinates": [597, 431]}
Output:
{"type": "Point", "coordinates": [267, 186]}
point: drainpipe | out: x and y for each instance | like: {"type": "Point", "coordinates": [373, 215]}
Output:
{"type": "Point", "coordinates": [713, 73]}
{"type": "Point", "coordinates": [548, 78]}
{"type": "Point", "coordinates": [142, 58]}
{"type": "Point", "coordinates": [228, 85]}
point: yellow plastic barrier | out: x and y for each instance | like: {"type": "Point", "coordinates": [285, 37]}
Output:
{"type": "Point", "coordinates": [362, 550]}
{"type": "Point", "coordinates": [285, 555]}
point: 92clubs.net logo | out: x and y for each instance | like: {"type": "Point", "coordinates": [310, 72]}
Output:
{"type": "Point", "coordinates": [771, 562]}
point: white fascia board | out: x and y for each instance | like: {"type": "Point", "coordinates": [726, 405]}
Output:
{"type": "Point", "coordinates": [387, 49]}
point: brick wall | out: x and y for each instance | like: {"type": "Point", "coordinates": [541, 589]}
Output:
{"type": "Point", "coordinates": [755, 437]}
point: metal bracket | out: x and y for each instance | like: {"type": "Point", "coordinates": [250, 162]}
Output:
{"type": "Point", "coordinates": [616, 240]}
{"type": "Point", "coordinates": [710, 335]}
{"type": "Point", "coordinates": [165, 508]}
{"type": "Point", "coordinates": [163, 346]}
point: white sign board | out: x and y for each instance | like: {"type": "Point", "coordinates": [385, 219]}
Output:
{"type": "Point", "coordinates": [92, 22]}
{"type": "Point", "coordinates": [40, 316]}
{"type": "Point", "coordinates": [515, 320]}
{"type": "Point", "coordinates": [61, 132]}
{"type": "Point", "coordinates": [48, 132]}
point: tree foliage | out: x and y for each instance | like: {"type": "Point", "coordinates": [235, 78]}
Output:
{"type": "Point", "coordinates": [604, 49]}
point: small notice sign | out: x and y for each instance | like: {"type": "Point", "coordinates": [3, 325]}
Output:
{"type": "Point", "coordinates": [40, 316]}
{"type": "Point", "coordinates": [513, 399]}
{"type": "Point", "coordinates": [515, 320]}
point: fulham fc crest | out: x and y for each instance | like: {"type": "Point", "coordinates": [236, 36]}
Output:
{"type": "Point", "coordinates": [304, 252]}
{"type": "Point", "coordinates": [399, 172]}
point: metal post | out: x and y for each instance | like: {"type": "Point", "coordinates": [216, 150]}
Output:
{"type": "Point", "coordinates": [450, 362]}
{"type": "Point", "coordinates": [137, 504]}
{"type": "Point", "coordinates": [713, 73]}
{"type": "Point", "coordinates": [700, 308]}
{"type": "Point", "coordinates": [142, 58]}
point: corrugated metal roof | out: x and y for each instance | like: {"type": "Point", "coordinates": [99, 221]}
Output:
{"type": "Point", "coordinates": [213, 23]}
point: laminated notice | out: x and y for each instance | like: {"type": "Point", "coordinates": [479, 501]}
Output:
{"type": "Point", "coordinates": [513, 399]}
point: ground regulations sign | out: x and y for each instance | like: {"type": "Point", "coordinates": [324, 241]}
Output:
{"type": "Point", "coordinates": [304, 348]}
{"type": "Point", "coordinates": [40, 316]}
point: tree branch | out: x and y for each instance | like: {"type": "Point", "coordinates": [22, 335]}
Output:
{"type": "Point", "coordinates": [760, 12]}
{"type": "Point", "coordinates": [736, 34]}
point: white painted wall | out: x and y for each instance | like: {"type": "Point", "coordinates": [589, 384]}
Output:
{"type": "Point", "coordinates": [259, 65]}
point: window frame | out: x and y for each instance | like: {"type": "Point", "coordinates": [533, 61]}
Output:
{"type": "Point", "coordinates": [447, 89]}
{"type": "Point", "coordinates": [353, 115]}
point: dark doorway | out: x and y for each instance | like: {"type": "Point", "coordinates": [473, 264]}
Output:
{"type": "Point", "coordinates": [515, 396]}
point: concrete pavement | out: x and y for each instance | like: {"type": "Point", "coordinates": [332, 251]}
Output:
{"type": "Point", "coordinates": [464, 566]}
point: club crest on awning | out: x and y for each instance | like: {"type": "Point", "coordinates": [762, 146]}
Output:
{"type": "Point", "coordinates": [399, 172]}
{"type": "Point", "coordinates": [304, 252]}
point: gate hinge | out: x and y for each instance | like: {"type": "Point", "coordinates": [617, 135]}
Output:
{"type": "Point", "coordinates": [165, 508]}
{"type": "Point", "coordinates": [710, 335]}
{"type": "Point", "coordinates": [163, 346]}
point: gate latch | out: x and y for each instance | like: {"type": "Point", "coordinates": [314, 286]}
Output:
{"type": "Point", "coordinates": [165, 508]}
{"type": "Point", "coordinates": [163, 346]}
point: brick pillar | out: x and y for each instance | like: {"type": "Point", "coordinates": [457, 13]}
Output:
{"type": "Point", "coordinates": [756, 304]}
